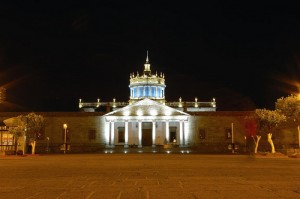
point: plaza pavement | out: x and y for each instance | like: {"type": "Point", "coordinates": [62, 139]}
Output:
{"type": "Point", "coordinates": [148, 175]}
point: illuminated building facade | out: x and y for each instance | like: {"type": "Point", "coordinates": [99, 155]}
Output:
{"type": "Point", "coordinates": [147, 119]}
{"type": "Point", "coordinates": [147, 122]}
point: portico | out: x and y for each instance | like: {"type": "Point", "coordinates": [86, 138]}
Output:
{"type": "Point", "coordinates": [131, 124]}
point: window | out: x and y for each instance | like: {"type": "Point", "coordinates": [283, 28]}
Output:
{"type": "Point", "coordinates": [92, 134]}
{"type": "Point", "coordinates": [147, 91]}
{"type": "Point", "coordinates": [202, 134]}
{"type": "Point", "coordinates": [153, 92]}
{"type": "Point", "coordinates": [228, 133]}
{"type": "Point", "coordinates": [158, 92]}
{"type": "Point", "coordinates": [3, 128]}
{"type": "Point", "coordinates": [140, 92]}
{"type": "Point", "coordinates": [121, 134]}
{"type": "Point", "coordinates": [135, 92]}
{"type": "Point", "coordinates": [7, 139]}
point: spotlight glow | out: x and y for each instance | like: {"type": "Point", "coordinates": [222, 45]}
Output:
{"type": "Point", "coordinates": [139, 112]}
{"type": "Point", "coordinates": [168, 112]}
{"type": "Point", "coordinates": [126, 112]}
{"type": "Point", "coordinates": [153, 112]}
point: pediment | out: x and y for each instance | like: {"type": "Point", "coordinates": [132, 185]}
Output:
{"type": "Point", "coordinates": [147, 107]}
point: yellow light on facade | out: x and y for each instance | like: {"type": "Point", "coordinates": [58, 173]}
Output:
{"type": "Point", "coordinates": [80, 103]}
{"type": "Point", "coordinates": [139, 112]}
{"type": "Point", "coordinates": [126, 113]}
{"type": "Point", "coordinates": [168, 112]}
{"type": "Point", "coordinates": [153, 112]}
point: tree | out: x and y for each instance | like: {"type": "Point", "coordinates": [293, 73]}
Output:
{"type": "Point", "coordinates": [251, 132]}
{"type": "Point", "coordinates": [268, 121]}
{"type": "Point", "coordinates": [290, 107]}
{"type": "Point", "coordinates": [32, 124]}
{"type": "Point", "coordinates": [35, 127]}
{"type": "Point", "coordinates": [16, 127]}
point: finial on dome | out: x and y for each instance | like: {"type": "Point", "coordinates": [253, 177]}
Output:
{"type": "Point", "coordinates": [147, 70]}
{"type": "Point", "coordinates": [147, 58]}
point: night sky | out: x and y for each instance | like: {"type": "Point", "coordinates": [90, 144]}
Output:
{"type": "Point", "coordinates": [246, 55]}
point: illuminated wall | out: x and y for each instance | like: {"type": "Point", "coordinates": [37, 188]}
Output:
{"type": "Point", "coordinates": [204, 131]}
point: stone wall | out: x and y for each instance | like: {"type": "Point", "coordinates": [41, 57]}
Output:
{"type": "Point", "coordinates": [215, 126]}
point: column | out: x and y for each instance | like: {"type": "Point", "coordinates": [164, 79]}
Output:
{"type": "Point", "coordinates": [185, 133]}
{"type": "Point", "coordinates": [112, 134]}
{"type": "Point", "coordinates": [153, 134]}
{"type": "Point", "coordinates": [167, 132]}
{"type": "Point", "coordinates": [140, 135]}
{"type": "Point", "coordinates": [181, 137]}
{"type": "Point", "coordinates": [107, 133]}
{"type": "Point", "coordinates": [126, 134]}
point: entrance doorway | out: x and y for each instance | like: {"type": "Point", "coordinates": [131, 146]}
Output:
{"type": "Point", "coordinates": [173, 136]}
{"type": "Point", "coordinates": [147, 137]}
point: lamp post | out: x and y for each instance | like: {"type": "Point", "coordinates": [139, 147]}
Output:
{"type": "Point", "coordinates": [65, 140]}
{"type": "Point", "coordinates": [24, 141]}
{"type": "Point", "coordinates": [232, 138]}
{"type": "Point", "coordinates": [48, 144]}
{"type": "Point", "coordinates": [245, 144]}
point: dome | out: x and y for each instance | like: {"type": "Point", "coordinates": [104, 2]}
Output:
{"type": "Point", "coordinates": [147, 85]}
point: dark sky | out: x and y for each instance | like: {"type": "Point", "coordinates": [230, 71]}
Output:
{"type": "Point", "coordinates": [246, 55]}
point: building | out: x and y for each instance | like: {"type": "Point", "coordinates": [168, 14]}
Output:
{"type": "Point", "coordinates": [146, 123]}
{"type": "Point", "coordinates": [148, 119]}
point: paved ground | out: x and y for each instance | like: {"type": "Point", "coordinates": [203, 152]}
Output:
{"type": "Point", "coordinates": [148, 176]}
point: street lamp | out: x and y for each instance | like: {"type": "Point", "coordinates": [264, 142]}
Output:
{"type": "Point", "coordinates": [245, 144]}
{"type": "Point", "coordinates": [48, 144]}
{"type": "Point", "coordinates": [232, 138]}
{"type": "Point", "coordinates": [65, 140]}
{"type": "Point", "coordinates": [24, 141]}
